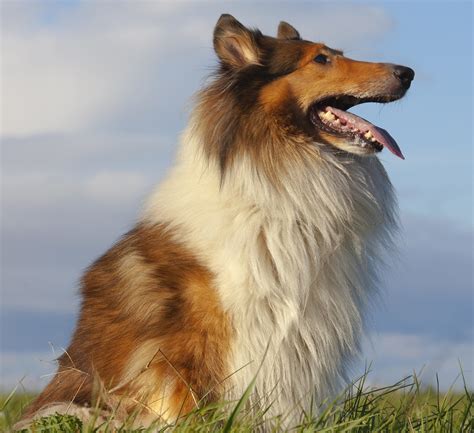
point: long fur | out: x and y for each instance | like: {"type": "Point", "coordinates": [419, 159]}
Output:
{"type": "Point", "coordinates": [294, 268]}
{"type": "Point", "coordinates": [256, 258]}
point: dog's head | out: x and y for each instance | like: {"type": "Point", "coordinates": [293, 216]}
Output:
{"type": "Point", "coordinates": [288, 90]}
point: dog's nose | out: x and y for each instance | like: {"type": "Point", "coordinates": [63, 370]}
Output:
{"type": "Point", "coordinates": [404, 74]}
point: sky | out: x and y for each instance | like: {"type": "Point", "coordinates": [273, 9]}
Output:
{"type": "Point", "coordinates": [94, 95]}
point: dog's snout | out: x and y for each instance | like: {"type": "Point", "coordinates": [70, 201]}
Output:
{"type": "Point", "coordinates": [404, 74]}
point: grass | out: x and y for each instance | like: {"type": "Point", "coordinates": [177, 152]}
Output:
{"type": "Point", "coordinates": [403, 407]}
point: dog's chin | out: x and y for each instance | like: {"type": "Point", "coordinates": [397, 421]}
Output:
{"type": "Point", "coordinates": [353, 144]}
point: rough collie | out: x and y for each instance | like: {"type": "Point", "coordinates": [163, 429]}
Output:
{"type": "Point", "coordinates": [258, 255]}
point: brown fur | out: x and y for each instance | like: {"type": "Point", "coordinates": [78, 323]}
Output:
{"type": "Point", "coordinates": [152, 333]}
{"type": "Point", "coordinates": [146, 291]}
{"type": "Point", "coordinates": [287, 31]}
{"type": "Point", "coordinates": [259, 108]}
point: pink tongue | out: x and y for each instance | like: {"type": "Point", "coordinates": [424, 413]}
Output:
{"type": "Point", "coordinates": [382, 136]}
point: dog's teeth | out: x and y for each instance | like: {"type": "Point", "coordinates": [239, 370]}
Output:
{"type": "Point", "coordinates": [327, 115]}
{"type": "Point", "coordinates": [337, 122]}
{"type": "Point", "coordinates": [368, 135]}
{"type": "Point", "coordinates": [373, 139]}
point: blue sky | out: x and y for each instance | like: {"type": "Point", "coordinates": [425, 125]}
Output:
{"type": "Point", "coordinates": [94, 95]}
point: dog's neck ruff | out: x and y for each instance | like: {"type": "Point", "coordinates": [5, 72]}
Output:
{"type": "Point", "coordinates": [295, 266]}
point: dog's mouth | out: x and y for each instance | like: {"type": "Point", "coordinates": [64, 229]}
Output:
{"type": "Point", "coordinates": [331, 116]}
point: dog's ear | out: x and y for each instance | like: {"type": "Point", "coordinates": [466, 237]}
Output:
{"type": "Point", "coordinates": [287, 31]}
{"type": "Point", "coordinates": [235, 45]}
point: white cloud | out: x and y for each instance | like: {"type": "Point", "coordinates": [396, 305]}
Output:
{"type": "Point", "coordinates": [83, 152]}
{"type": "Point", "coordinates": [116, 186]}
{"type": "Point", "coordinates": [64, 77]}
{"type": "Point", "coordinates": [56, 190]}
{"type": "Point", "coordinates": [54, 223]}
{"type": "Point", "coordinates": [396, 355]}
{"type": "Point", "coordinates": [94, 59]}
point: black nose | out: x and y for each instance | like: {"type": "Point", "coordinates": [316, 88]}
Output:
{"type": "Point", "coordinates": [404, 74]}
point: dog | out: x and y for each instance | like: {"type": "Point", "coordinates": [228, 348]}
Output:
{"type": "Point", "coordinates": [256, 260]}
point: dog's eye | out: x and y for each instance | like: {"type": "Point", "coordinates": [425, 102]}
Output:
{"type": "Point", "coordinates": [321, 58]}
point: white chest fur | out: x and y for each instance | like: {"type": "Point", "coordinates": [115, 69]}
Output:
{"type": "Point", "coordinates": [294, 271]}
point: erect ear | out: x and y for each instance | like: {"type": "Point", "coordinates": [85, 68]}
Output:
{"type": "Point", "coordinates": [234, 44]}
{"type": "Point", "coordinates": [287, 31]}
